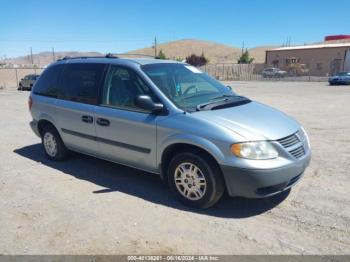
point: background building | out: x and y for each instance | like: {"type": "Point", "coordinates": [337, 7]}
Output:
{"type": "Point", "coordinates": [323, 59]}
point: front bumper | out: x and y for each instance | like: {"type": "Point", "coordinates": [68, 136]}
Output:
{"type": "Point", "coordinates": [258, 183]}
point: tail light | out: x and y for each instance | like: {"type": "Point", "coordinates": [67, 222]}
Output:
{"type": "Point", "coordinates": [30, 102]}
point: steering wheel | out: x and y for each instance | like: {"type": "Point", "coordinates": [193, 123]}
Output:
{"type": "Point", "coordinates": [189, 89]}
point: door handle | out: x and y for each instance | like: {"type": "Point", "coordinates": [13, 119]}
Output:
{"type": "Point", "coordinates": [87, 119]}
{"type": "Point", "coordinates": [102, 122]}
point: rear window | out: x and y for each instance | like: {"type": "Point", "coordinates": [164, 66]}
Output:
{"type": "Point", "coordinates": [81, 82]}
{"type": "Point", "coordinates": [48, 82]}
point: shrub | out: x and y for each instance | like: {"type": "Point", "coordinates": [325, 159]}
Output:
{"type": "Point", "coordinates": [161, 55]}
{"type": "Point", "coordinates": [196, 60]}
{"type": "Point", "coordinates": [245, 58]}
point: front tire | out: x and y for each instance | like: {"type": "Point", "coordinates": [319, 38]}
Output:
{"type": "Point", "coordinates": [196, 180]}
{"type": "Point", "coordinates": [53, 145]}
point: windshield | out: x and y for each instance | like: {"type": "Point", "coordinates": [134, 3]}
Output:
{"type": "Point", "coordinates": [185, 85]}
{"type": "Point", "coordinates": [344, 74]}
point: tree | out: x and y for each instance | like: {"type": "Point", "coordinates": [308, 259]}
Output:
{"type": "Point", "coordinates": [245, 58]}
{"type": "Point", "coordinates": [179, 59]}
{"type": "Point", "coordinates": [196, 60]}
{"type": "Point", "coordinates": [161, 55]}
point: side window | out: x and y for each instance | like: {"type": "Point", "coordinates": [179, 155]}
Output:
{"type": "Point", "coordinates": [48, 83]}
{"type": "Point", "coordinates": [121, 88]}
{"type": "Point", "coordinates": [81, 82]}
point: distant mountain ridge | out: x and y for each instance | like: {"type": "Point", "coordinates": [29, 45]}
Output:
{"type": "Point", "coordinates": [45, 58]}
{"type": "Point", "coordinates": [215, 52]}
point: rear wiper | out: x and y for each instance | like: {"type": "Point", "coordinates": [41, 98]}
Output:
{"type": "Point", "coordinates": [229, 101]}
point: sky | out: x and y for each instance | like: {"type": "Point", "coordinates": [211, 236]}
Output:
{"type": "Point", "coordinates": [117, 26]}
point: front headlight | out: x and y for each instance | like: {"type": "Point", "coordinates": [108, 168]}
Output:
{"type": "Point", "coordinates": [254, 150]}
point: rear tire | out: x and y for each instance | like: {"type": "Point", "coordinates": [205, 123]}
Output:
{"type": "Point", "coordinates": [196, 180]}
{"type": "Point", "coordinates": [53, 145]}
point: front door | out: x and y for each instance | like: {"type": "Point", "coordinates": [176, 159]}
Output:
{"type": "Point", "coordinates": [126, 134]}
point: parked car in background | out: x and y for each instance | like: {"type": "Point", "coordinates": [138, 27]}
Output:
{"type": "Point", "coordinates": [27, 82]}
{"type": "Point", "coordinates": [171, 119]}
{"type": "Point", "coordinates": [342, 78]}
{"type": "Point", "coordinates": [273, 72]}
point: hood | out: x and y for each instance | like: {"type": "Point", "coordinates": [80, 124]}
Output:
{"type": "Point", "coordinates": [253, 121]}
{"type": "Point", "coordinates": [339, 77]}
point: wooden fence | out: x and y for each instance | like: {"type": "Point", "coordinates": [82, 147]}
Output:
{"type": "Point", "coordinates": [224, 71]}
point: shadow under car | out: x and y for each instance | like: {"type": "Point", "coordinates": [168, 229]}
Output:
{"type": "Point", "coordinates": [150, 187]}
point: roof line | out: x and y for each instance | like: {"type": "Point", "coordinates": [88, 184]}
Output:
{"type": "Point", "coordinates": [109, 55]}
{"type": "Point", "coordinates": [319, 46]}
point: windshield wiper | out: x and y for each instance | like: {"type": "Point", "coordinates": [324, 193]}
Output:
{"type": "Point", "coordinates": [197, 95]}
{"type": "Point", "coordinates": [227, 102]}
{"type": "Point", "coordinates": [222, 96]}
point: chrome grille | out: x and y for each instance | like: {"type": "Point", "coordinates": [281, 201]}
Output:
{"type": "Point", "coordinates": [298, 152]}
{"type": "Point", "coordinates": [289, 141]}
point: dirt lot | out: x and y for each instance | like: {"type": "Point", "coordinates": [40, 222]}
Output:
{"type": "Point", "coordinates": [89, 206]}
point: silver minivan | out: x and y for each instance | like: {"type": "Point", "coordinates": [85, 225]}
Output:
{"type": "Point", "coordinates": [170, 119]}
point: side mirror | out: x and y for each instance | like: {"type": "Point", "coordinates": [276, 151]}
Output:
{"type": "Point", "coordinates": [146, 102]}
{"type": "Point", "coordinates": [229, 87]}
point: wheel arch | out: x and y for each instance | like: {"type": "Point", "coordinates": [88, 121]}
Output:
{"type": "Point", "coordinates": [205, 148]}
{"type": "Point", "coordinates": [44, 121]}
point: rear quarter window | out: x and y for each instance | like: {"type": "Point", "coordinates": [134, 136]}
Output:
{"type": "Point", "coordinates": [48, 83]}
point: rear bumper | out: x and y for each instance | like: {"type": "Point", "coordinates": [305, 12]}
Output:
{"type": "Point", "coordinates": [258, 183]}
{"type": "Point", "coordinates": [34, 126]}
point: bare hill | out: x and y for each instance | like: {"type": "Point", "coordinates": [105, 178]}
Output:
{"type": "Point", "coordinates": [215, 52]}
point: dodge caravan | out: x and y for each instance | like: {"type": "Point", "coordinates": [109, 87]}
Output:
{"type": "Point", "coordinates": [171, 119]}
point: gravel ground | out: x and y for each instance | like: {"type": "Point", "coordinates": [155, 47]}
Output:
{"type": "Point", "coordinates": [90, 206]}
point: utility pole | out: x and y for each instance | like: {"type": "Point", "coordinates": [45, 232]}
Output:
{"type": "Point", "coordinates": [288, 41]}
{"type": "Point", "coordinates": [31, 56]}
{"type": "Point", "coordinates": [53, 55]}
{"type": "Point", "coordinates": [155, 47]}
